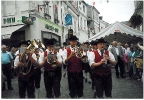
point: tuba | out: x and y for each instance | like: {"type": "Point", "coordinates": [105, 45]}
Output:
{"type": "Point", "coordinates": [23, 58]}
{"type": "Point", "coordinates": [51, 60]}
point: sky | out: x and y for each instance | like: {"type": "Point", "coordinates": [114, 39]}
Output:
{"type": "Point", "coordinates": [114, 10]}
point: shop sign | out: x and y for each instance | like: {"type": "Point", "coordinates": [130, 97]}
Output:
{"type": "Point", "coordinates": [8, 20]}
{"type": "Point", "coordinates": [68, 19]}
{"type": "Point", "coordinates": [7, 36]}
{"type": "Point", "coordinates": [51, 28]}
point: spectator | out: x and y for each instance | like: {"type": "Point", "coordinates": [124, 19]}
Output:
{"type": "Point", "coordinates": [6, 59]}
{"type": "Point", "coordinates": [118, 54]}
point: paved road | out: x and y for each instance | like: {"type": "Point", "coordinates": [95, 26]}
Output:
{"type": "Point", "coordinates": [122, 88]}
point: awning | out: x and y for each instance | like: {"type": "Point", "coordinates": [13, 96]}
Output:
{"type": "Point", "coordinates": [6, 32]}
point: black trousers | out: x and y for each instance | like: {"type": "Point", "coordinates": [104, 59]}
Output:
{"type": "Point", "coordinates": [52, 84]}
{"type": "Point", "coordinates": [103, 84]}
{"type": "Point", "coordinates": [6, 68]}
{"type": "Point", "coordinates": [87, 67]}
{"type": "Point", "coordinates": [75, 82]}
{"type": "Point", "coordinates": [26, 84]}
{"type": "Point", "coordinates": [119, 64]}
{"type": "Point", "coordinates": [37, 78]}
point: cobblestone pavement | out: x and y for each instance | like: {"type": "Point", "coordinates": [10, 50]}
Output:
{"type": "Point", "coordinates": [121, 88]}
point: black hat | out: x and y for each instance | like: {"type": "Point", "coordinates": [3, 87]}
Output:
{"type": "Point", "coordinates": [100, 41]}
{"type": "Point", "coordinates": [50, 41]}
{"type": "Point", "coordinates": [93, 42]}
{"type": "Point", "coordinates": [73, 38]}
{"type": "Point", "coordinates": [23, 42]}
{"type": "Point", "coordinates": [64, 43]}
{"type": "Point", "coordinates": [86, 43]}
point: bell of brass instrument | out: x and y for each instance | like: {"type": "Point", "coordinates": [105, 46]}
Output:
{"type": "Point", "coordinates": [40, 44]}
{"type": "Point", "coordinates": [78, 51]}
{"type": "Point", "coordinates": [27, 64]}
{"type": "Point", "coordinates": [51, 60]}
{"type": "Point", "coordinates": [84, 58]}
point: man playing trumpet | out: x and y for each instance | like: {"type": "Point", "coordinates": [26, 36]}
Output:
{"type": "Point", "coordinates": [74, 68]}
{"type": "Point", "coordinates": [51, 60]}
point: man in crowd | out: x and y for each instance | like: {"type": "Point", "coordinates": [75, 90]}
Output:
{"type": "Point", "coordinates": [6, 61]}
{"type": "Point", "coordinates": [117, 51]}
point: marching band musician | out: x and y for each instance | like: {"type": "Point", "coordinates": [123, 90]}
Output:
{"type": "Point", "coordinates": [37, 72]}
{"type": "Point", "coordinates": [99, 61]}
{"type": "Point", "coordinates": [25, 82]}
{"type": "Point", "coordinates": [62, 50]}
{"type": "Point", "coordinates": [87, 69]}
{"type": "Point", "coordinates": [51, 75]}
{"type": "Point", "coordinates": [92, 49]}
{"type": "Point", "coordinates": [74, 68]}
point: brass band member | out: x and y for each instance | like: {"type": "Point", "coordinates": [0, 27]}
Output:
{"type": "Point", "coordinates": [74, 68]}
{"type": "Point", "coordinates": [64, 65]}
{"type": "Point", "coordinates": [25, 82]}
{"type": "Point", "coordinates": [87, 69]}
{"type": "Point", "coordinates": [37, 72]}
{"type": "Point", "coordinates": [51, 74]}
{"type": "Point", "coordinates": [92, 49]}
{"type": "Point", "coordinates": [100, 61]}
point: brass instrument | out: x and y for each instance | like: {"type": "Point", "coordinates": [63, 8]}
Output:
{"type": "Point", "coordinates": [78, 51]}
{"type": "Point", "coordinates": [40, 44]}
{"type": "Point", "coordinates": [51, 60]}
{"type": "Point", "coordinates": [84, 58]}
{"type": "Point", "coordinates": [23, 58]}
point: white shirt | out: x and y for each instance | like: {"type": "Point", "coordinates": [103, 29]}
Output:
{"type": "Point", "coordinates": [92, 57]}
{"type": "Point", "coordinates": [17, 59]}
{"type": "Point", "coordinates": [58, 55]}
{"type": "Point", "coordinates": [127, 50]}
{"type": "Point", "coordinates": [117, 51]}
{"type": "Point", "coordinates": [64, 54]}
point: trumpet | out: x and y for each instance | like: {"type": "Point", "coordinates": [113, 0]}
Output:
{"type": "Point", "coordinates": [80, 53]}
{"type": "Point", "coordinates": [51, 60]}
{"type": "Point", "coordinates": [28, 65]}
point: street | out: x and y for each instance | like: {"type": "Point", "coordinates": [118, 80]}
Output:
{"type": "Point", "coordinates": [122, 89]}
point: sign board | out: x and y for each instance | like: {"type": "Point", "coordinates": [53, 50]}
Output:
{"type": "Point", "coordinates": [51, 28]}
{"type": "Point", "coordinates": [68, 19]}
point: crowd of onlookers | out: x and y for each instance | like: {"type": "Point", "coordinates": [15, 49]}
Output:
{"type": "Point", "coordinates": [132, 60]}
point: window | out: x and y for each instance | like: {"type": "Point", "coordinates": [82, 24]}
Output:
{"type": "Point", "coordinates": [84, 8]}
{"type": "Point", "coordinates": [79, 3]}
{"type": "Point", "coordinates": [81, 24]}
{"type": "Point", "coordinates": [56, 14]}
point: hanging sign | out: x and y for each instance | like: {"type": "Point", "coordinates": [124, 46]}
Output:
{"type": "Point", "coordinates": [68, 19]}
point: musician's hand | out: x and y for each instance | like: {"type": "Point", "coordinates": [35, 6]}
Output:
{"type": "Point", "coordinates": [102, 61]}
{"type": "Point", "coordinates": [20, 64]}
{"type": "Point", "coordinates": [27, 51]}
{"type": "Point", "coordinates": [106, 56]}
{"type": "Point", "coordinates": [45, 59]}
{"type": "Point", "coordinates": [72, 54]}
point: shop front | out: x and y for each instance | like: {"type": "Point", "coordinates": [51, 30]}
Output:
{"type": "Point", "coordinates": [12, 30]}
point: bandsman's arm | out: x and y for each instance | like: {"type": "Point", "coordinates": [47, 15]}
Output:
{"type": "Point", "coordinates": [92, 61]}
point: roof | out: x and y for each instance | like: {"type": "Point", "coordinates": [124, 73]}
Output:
{"type": "Point", "coordinates": [119, 32]}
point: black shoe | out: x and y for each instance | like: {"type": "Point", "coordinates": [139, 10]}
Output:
{"type": "Point", "coordinates": [86, 80]}
{"type": "Point", "coordinates": [10, 88]}
{"type": "Point", "coordinates": [92, 87]}
{"type": "Point", "coordinates": [117, 76]}
{"type": "Point", "coordinates": [3, 89]}
{"type": "Point", "coordinates": [94, 96]}
{"type": "Point", "coordinates": [122, 76]}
